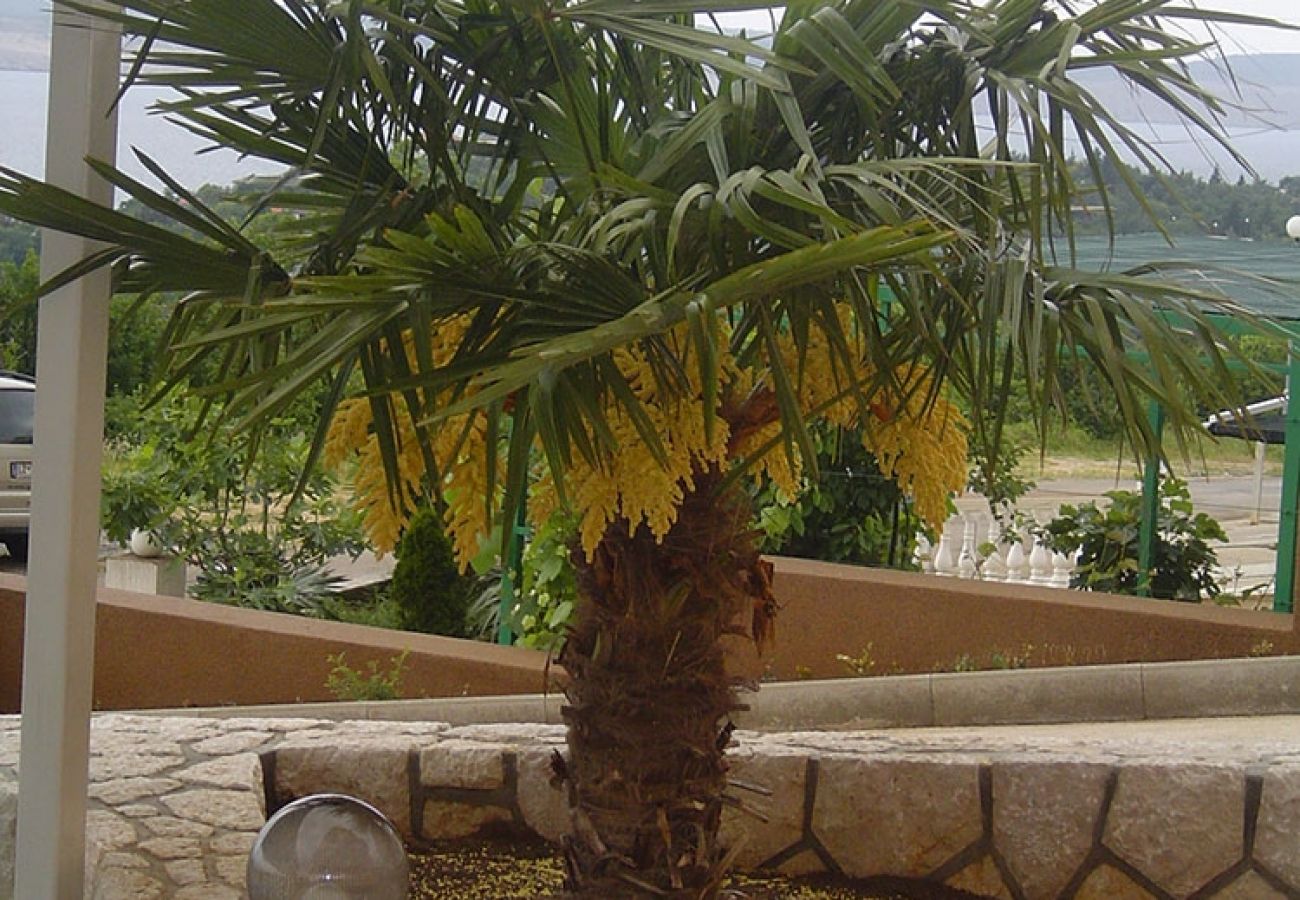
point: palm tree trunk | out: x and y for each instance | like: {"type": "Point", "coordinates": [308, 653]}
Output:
{"type": "Point", "coordinates": [649, 697]}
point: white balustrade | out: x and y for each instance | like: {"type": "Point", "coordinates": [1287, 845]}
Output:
{"type": "Point", "coordinates": [1016, 556]}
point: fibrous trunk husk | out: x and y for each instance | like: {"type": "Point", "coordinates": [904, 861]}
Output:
{"type": "Point", "coordinates": [649, 697]}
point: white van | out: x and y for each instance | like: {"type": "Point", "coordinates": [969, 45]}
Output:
{"type": "Point", "coordinates": [17, 402]}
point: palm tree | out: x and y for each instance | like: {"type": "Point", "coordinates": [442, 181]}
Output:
{"type": "Point", "coordinates": [609, 250]}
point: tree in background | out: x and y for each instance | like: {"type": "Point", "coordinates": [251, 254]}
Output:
{"type": "Point", "coordinates": [594, 251]}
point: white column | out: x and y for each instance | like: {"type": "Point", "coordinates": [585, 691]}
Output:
{"type": "Point", "coordinates": [58, 658]}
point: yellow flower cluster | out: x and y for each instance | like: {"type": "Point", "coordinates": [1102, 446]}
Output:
{"type": "Point", "coordinates": [458, 446]}
{"type": "Point", "coordinates": [923, 447]}
{"type": "Point", "coordinates": [634, 484]}
{"type": "Point", "coordinates": [918, 439]}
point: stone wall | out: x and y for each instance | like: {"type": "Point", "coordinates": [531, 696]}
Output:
{"type": "Point", "coordinates": [1121, 811]}
{"type": "Point", "coordinates": [1011, 814]}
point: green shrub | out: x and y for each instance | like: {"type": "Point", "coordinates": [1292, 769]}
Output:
{"type": "Point", "coordinates": [347, 683]}
{"type": "Point", "coordinates": [852, 513]}
{"type": "Point", "coordinates": [1108, 544]}
{"type": "Point", "coordinates": [254, 541]}
{"type": "Point", "coordinates": [549, 591]}
{"type": "Point", "coordinates": [430, 592]}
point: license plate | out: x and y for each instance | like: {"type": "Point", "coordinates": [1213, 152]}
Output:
{"type": "Point", "coordinates": [19, 470]}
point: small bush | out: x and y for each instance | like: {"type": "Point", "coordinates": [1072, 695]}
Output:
{"type": "Point", "coordinates": [548, 594]}
{"type": "Point", "coordinates": [347, 683]}
{"type": "Point", "coordinates": [1108, 544]}
{"type": "Point", "coordinates": [431, 594]}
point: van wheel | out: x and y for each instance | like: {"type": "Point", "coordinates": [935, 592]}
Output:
{"type": "Point", "coordinates": [17, 546]}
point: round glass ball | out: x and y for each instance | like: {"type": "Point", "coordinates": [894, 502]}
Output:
{"type": "Point", "coordinates": [328, 847]}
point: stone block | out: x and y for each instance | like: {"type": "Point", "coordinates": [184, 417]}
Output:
{"type": "Point", "coordinates": [1106, 883]}
{"type": "Point", "coordinates": [134, 762]}
{"type": "Point", "coordinates": [512, 734]}
{"type": "Point", "coordinates": [172, 848]}
{"type": "Point", "coordinates": [124, 859]}
{"type": "Point", "coordinates": [806, 862]}
{"type": "Point", "coordinates": [208, 892]}
{"type": "Point", "coordinates": [1250, 887]}
{"type": "Point", "coordinates": [122, 791]}
{"type": "Point", "coordinates": [373, 771]}
{"type": "Point", "coordinates": [232, 810]}
{"type": "Point", "coordinates": [233, 870]}
{"type": "Point", "coordinates": [984, 879]}
{"type": "Point", "coordinates": [170, 826]}
{"type": "Point", "coordinates": [233, 843]}
{"type": "Point", "coordinates": [107, 830]}
{"type": "Point", "coordinates": [896, 816]}
{"type": "Point", "coordinates": [162, 576]}
{"type": "Point", "coordinates": [462, 764]}
{"type": "Point", "coordinates": [241, 772]}
{"type": "Point", "coordinates": [1044, 816]}
{"type": "Point", "coordinates": [443, 819]}
{"type": "Point", "coordinates": [1277, 837]}
{"type": "Point", "coordinates": [785, 776]}
{"type": "Point", "coordinates": [233, 742]}
{"type": "Point", "coordinates": [545, 808]}
{"type": "Point", "coordinates": [124, 884]}
{"type": "Point", "coordinates": [185, 871]}
{"type": "Point", "coordinates": [1161, 812]}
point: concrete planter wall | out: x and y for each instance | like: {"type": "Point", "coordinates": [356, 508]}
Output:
{"type": "Point", "coordinates": [910, 623]}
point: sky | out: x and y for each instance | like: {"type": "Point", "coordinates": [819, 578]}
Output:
{"type": "Point", "coordinates": [1240, 39]}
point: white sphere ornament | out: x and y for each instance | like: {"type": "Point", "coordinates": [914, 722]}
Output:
{"type": "Point", "coordinates": [143, 543]}
{"type": "Point", "coordinates": [1293, 228]}
{"type": "Point", "coordinates": [328, 847]}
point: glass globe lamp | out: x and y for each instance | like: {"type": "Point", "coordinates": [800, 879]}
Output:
{"type": "Point", "coordinates": [328, 847]}
{"type": "Point", "coordinates": [1293, 228]}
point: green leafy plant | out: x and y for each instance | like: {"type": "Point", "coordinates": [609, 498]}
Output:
{"type": "Point", "coordinates": [852, 513]}
{"type": "Point", "coordinates": [259, 534]}
{"type": "Point", "coordinates": [1107, 541]}
{"type": "Point", "coordinates": [998, 481]}
{"type": "Point", "coordinates": [862, 664]}
{"type": "Point", "coordinates": [429, 590]}
{"type": "Point", "coordinates": [549, 589]}
{"type": "Point", "coordinates": [370, 683]}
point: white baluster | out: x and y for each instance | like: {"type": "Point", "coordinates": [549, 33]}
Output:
{"type": "Point", "coordinates": [945, 559]}
{"type": "Point", "coordinates": [923, 555]}
{"type": "Point", "coordinates": [966, 567]}
{"type": "Point", "coordinates": [995, 566]}
{"type": "Point", "coordinates": [1017, 563]}
{"type": "Point", "coordinates": [1062, 566]}
{"type": "Point", "coordinates": [1040, 563]}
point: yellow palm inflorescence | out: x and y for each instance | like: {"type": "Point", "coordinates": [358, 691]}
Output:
{"type": "Point", "coordinates": [918, 438]}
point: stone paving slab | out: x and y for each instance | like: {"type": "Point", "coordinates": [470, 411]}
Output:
{"type": "Point", "coordinates": [1168, 810]}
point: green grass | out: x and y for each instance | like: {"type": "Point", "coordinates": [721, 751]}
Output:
{"type": "Point", "coordinates": [1072, 452]}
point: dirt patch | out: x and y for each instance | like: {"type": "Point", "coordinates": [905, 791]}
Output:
{"type": "Point", "coordinates": [531, 870]}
